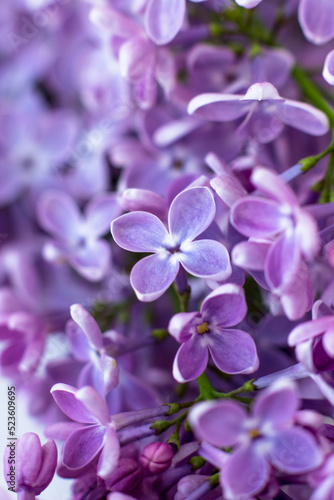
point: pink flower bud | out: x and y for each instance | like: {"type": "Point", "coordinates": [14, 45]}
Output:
{"type": "Point", "coordinates": [156, 457]}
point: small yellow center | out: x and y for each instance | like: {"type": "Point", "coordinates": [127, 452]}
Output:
{"type": "Point", "coordinates": [203, 328]}
{"type": "Point", "coordinates": [254, 433]}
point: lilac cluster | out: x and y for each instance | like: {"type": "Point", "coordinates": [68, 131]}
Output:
{"type": "Point", "coordinates": [167, 248]}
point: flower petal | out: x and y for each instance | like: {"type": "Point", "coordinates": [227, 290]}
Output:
{"type": "Point", "coordinates": [245, 473]}
{"type": "Point", "coordinates": [66, 398]}
{"type": "Point", "coordinates": [233, 351]}
{"type": "Point", "coordinates": [206, 259]}
{"type": "Point", "coordinates": [153, 275]}
{"type": "Point", "coordinates": [92, 261]}
{"type": "Point", "coordinates": [294, 451]}
{"type": "Point", "coordinates": [180, 324]}
{"type": "Point", "coordinates": [278, 404]}
{"type": "Point", "coordinates": [271, 184]}
{"type": "Point", "coordinates": [251, 254]}
{"type": "Point", "coordinates": [219, 423]}
{"type": "Point", "coordinates": [328, 71]}
{"type": "Point", "coordinates": [29, 458]}
{"type": "Point", "coordinates": [88, 325]}
{"type": "Point", "coordinates": [257, 217]}
{"type": "Point", "coordinates": [59, 214]}
{"type": "Point", "coordinates": [303, 116]}
{"type": "Point", "coordinates": [49, 464]}
{"type": "Point", "coordinates": [100, 211]}
{"type": "Point", "coordinates": [310, 329]}
{"type": "Point", "coordinates": [164, 19]}
{"type": "Point", "coordinates": [218, 107]}
{"type": "Point", "coordinates": [191, 360]}
{"type": "Point", "coordinates": [225, 306]}
{"type": "Point", "coordinates": [282, 261]}
{"type": "Point", "coordinates": [110, 454]}
{"type": "Point", "coordinates": [317, 20]}
{"type": "Point", "coordinates": [190, 213]}
{"type": "Point", "coordinates": [82, 446]}
{"type": "Point", "coordinates": [139, 232]}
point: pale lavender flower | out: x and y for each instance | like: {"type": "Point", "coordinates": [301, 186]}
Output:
{"type": "Point", "coordinates": [96, 440]}
{"type": "Point", "coordinates": [268, 437]}
{"type": "Point", "coordinates": [314, 347]}
{"type": "Point", "coordinates": [266, 112]}
{"type": "Point", "coordinates": [208, 331]}
{"type": "Point", "coordinates": [35, 465]}
{"type": "Point", "coordinates": [77, 236]}
{"type": "Point", "coordinates": [276, 225]}
{"type": "Point", "coordinates": [190, 213]}
{"type": "Point", "coordinates": [87, 343]}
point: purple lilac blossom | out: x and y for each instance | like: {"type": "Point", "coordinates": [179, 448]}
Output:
{"type": "Point", "coordinates": [268, 437]}
{"type": "Point", "coordinates": [208, 331]}
{"type": "Point", "coordinates": [190, 213]}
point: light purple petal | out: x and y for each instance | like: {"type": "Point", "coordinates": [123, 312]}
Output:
{"type": "Point", "coordinates": [179, 325]}
{"type": "Point", "coordinates": [294, 451]}
{"type": "Point", "coordinates": [218, 107]}
{"type": "Point", "coordinates": [271, 184]}
{"type": "Point", "coordinates": [246, 472]}
{"type": "Point", "coordinates": [233, 351]}
{"type": "Point", "coordinates": [191, 360]}
{"type": "Point", "coordinates": [278, 404]}
{"type": "Point", "coordinates": [164, 19]}
{"type": "Point", "coordinates": [83, 445]}
{"type": "Point", "coordinates": [303, 117]}
{"type": "Point", "coordinates": [29, 457]}
{"type": "Point", "coordinates": [206, 259]}
{"type": "Point", "coordinates": [257, 217]}
{"type": "Point", "coordinates": [110, 372]}
{"type": "Point", "coordinates": [190, 213]}
{"type": "Point", "coordinates": [251, 254]}
{"type": "Point", "coordinates": [94, 403]}
{"type": "Point", "coordinates": [174, 131]}
{"type": "Point", "coordinates": [228, 188]}
{"type": "Point", "coordinates": [57, 213]}
{"type": "Point", "coordinates": [99, 213]}
{"type": "Point", "coordinates": [219, 423]}
{"type": "Point", "coordinates": [282, 261]}
{"type": "Point", "coordinates": [88, 325]}
{"type": "Point", "coordinates": [144, 200]}
{"type": "Point", "coordinates": [225, 306]}
{"type": "Point", "coordinates": [153, 275]}
{"type": "Point", "coordinates": [297, 298]}
{"type": "Point", "coordinates": [80, 346]}
{"type": "Point", "coordinates": [316, 18]}
{"type": "Point", "coordinates": [328, 71]}
{"type": "Point", "coordinates": [248, 4]}
{"type": "Point", "coordinates": [49, 464]}
{"type": "Point", "coordinates": [93, 260]}
{"type": "Point", "coordinates": [61, 430]}
{"type": "Point", "coordinates": [110, 454]}
{"type": "Point", "coordinates": [139, 232]}
{"type": "Point", "coordinates": [136, 57]}
{"type": "Point", "coordinates": [65, 397]}
{"type": "Point", "coordinates": [310, 329]}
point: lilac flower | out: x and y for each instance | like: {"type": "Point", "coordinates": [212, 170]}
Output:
{"type": "Point", "coordinates": [207, 331]}
{"type": "Point", "coordinates": [265, 110]}
{"type": "Point", "coordinates": [313, 342]}
{"type": "Point", "coordinates": [35, 465]}
{"type": "Point", "coordinates": [190, 213]}
{"type": "Point", "coordinates": [268, 437]}
{"type": "Point", "coordinates": [278, 225]}
{"type": "Point", "coordinates": [95, 441]}
{"type": "Point", "coordinates": [101, 370]}
{"type": "Point", "coordinates": [77, 238]}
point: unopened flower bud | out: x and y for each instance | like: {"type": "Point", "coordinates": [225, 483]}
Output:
{"type": "Point", "coordinates": [127, 477]}
{"type": "Point", "coordinates": [156, 457]}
